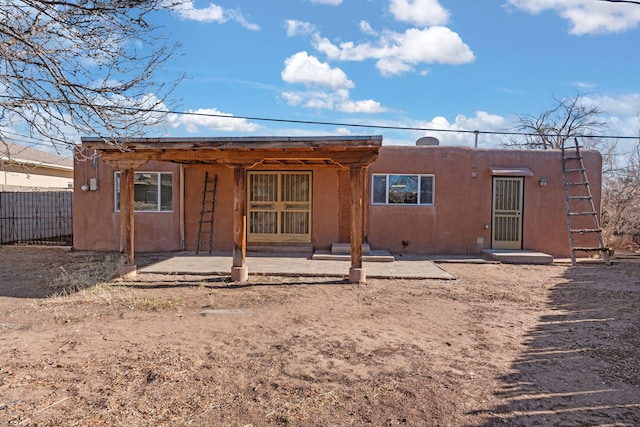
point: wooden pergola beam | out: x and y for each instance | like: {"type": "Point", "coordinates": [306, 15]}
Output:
{"type": "Point", "coordinates": [231, 157]}
{"type": "Point", "coordinates": [232, 143]}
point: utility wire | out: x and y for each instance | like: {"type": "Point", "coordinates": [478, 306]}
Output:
{"type": "Point", "coordinates": [485, 132]}
{"type": "Point", "coordinates": [622, 1]}
{"type": "Point", "coordinates": [326, 123]}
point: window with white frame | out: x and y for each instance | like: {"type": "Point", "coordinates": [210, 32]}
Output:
{"type": "Point", "coordinates": [153, 191]}
{"type": "Point", "coordinates": [402, 189]}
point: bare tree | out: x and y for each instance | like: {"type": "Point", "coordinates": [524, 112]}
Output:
{"type": "Point", "coordinates": [567, 119]}
{"type": "Point", "coordinates": [81, 66]}
{"type": "Point", "coordinates": [621, 197]}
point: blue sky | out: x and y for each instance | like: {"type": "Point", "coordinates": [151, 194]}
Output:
{"type": "Point", "coordinates": [435, 64]}
{"type": "Point", "coordinates": [409, 63]}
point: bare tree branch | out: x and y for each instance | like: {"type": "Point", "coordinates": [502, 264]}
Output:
{"type": "Point", "coordinates": [82, 66]}
{"type": "Point", "coordinates": [569, 118]}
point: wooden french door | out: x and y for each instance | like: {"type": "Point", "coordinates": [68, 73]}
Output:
{"type": "Point", "coordinates": [279, 207]}
{"type": "Point", "coordinates": [507, 213]}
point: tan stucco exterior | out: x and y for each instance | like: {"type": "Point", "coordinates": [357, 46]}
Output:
{"type": "Point", "coordinates": [96, 223]}
{"type": "Point", "coordinates": [459, 222]}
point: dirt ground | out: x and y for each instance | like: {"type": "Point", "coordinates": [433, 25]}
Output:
{"type": "Point", "coordinates": [502, 345]}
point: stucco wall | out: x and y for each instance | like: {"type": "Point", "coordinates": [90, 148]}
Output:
{"type": "Point", "coordinates": [324, 201]}
{"type": "Point", "coordinates": [223, 217]}
{"type": "Point", "coordinates": [454, 225]}
{"type": "Point", "coordinates": [460, 220]}
{"type": "Point", "coordinates": [96, 224]}
{"type": "Point", "coordinates": [327, 213]}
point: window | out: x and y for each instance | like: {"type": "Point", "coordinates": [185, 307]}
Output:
{"type": "Point", "coordinates": [402, 189]}
{"type": "Point", "coordinates": [153, 191]}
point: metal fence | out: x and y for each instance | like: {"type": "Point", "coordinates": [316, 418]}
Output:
{"type": "Point", "coordinates": [36, 218]}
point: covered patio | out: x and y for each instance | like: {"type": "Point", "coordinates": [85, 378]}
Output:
{"type": "Point", "coordinates": [242, 154]}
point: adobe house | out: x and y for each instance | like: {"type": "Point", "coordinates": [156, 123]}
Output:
{"type": "Point", "coordinates": [311, 192]}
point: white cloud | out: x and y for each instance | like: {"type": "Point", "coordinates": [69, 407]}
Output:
{"type": "Point", "coordinates": [628, 104]}
{"type": "Point", "coordinates": [367, 29]}
{"type": "Point", "coordinates": [398, 53]}
{"type": "Point", "coordinates": [338, 100]}
{"type": "Point", "coordinates": [211, 13]}
{"type": "Point", "coordinates": [622, 113]}
{"type": "Point", "coordinates": [584, 85]}
{"type": "Point", "coordinates": [299, 28]}
{"type": "Point", "coordinates": [586, 16]}
{"type": "Point", "coordinates": [327, 2]}
{"type": "Point", "coordinates": [482, 121]}
{"type": "Point", "coordinates": [309, 71]}
{"type": "Point", "coordinates": [419, 12]}
{"type": "Point", "coordinates": [240, 19]}
{"type": "Point", "coordinates": [327, 87]}
{"type": "Point", "coordinates": [364, 106]}
{"type": "Point", "coordinates": [395, 53]}
{"type": "Point", "coordinates": [211, 119]}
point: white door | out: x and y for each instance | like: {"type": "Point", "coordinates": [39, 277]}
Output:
{"type": "Point", "coordinates": [279, 207]}
{"type": "Point", "coordinates": [507, 213]}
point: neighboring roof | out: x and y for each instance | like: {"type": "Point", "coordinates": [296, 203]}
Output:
{"type": "Point", "coordinates": [14, 153]}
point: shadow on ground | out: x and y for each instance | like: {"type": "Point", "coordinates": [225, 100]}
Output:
{"type": "Point", "coordinates": [582, 364]}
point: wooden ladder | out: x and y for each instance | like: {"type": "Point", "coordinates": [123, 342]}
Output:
{"type": "Point", "coordinates": [582, 217]}
{"type": "Point", "coordinates": [205, 226]}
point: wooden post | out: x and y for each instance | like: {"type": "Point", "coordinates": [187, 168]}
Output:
{"type": "Point", "coordinates": [239, 271]}
{"type": "Point", "coordinates": [366, 197]}
{"type": "Point", "coordinates": [127, 257]}
{"type": "Point", "coordinates": [357, 272]}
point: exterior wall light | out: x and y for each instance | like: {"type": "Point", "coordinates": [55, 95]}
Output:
{"type": "Point", "coordinates": [542, 182]}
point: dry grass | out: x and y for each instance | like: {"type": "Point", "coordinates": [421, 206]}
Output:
{"type": "Point", "coordinates": [86, 273]}
{"type": "Point", "coordinates": [93, 281]}
{"type": "Point", "coordinates": [111, 295]}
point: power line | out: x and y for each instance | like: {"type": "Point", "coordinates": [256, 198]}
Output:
{"type": "Point", "coordinates": [409, 128]}
{"type": "Point", "coordinates": [622, 1]}
{"type": "Point", "coordinates": [325, 123]}
{"type": "Point", "coordinates": [25, 138]}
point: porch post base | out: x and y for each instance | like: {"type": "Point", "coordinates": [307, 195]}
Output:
{"type": "Point", "coordinates": [357, 275]}
{"type": "Point", "coordinates": [127, 270]}
{"type": "Point", "coordinates": [240, 274]}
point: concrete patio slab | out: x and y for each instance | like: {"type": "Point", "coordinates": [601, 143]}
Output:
{"type": "Point", "coordinates": [295, 265]}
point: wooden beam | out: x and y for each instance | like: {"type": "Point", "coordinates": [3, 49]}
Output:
{"type": "Point", "coordinates": [127, 257]}
{"type": "Point", "coordinates": [330, 156]}
{"type": "Point", "coordinates": [233, 143]}
{"type": "Point", "coordinates": [118, 160]}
